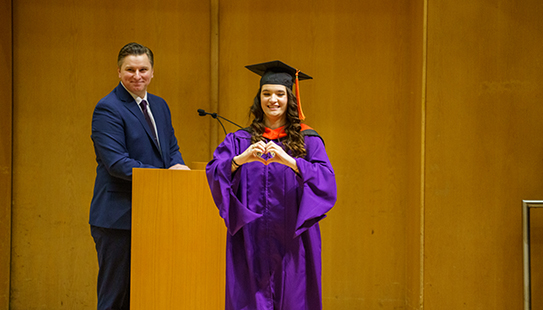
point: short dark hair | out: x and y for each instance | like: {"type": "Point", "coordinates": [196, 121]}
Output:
{"type": "Point", "coordinates": [134, 49]}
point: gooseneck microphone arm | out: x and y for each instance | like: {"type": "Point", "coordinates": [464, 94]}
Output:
{"type": "Point", "coordinates": [216, 116]}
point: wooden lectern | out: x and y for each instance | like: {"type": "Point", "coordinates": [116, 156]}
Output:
{"type": "Point", "coordinates": [178, 242]}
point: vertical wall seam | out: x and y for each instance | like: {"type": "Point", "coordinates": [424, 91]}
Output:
{"type": "Point", "coordinates": [423, 151]}
{"type": "Point", "coordinates": [214, 74]}
{"type": "Point", "coordinates": [10, 229]}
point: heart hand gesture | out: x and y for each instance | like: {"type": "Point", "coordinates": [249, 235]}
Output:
{"type": "Point", "coordinates": [265, 153]}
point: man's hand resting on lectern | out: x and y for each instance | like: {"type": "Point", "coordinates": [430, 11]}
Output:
{"type": "Point", "coordinates": [179, 167]}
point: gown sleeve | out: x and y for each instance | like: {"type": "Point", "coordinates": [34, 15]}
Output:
{"type": "Point", "coordinates": [319, 191]}
{"type": "Point", "coordinates": [224, 185]}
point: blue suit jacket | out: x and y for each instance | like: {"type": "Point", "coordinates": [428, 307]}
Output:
{"type": "Point", "coordinates": [122, 141]}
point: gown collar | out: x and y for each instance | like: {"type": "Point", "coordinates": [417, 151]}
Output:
{"type": "Point", "coordinates": [274, 134]}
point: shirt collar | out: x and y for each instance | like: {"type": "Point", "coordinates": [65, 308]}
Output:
{"type": "Point", "coordinates": [137, 98]}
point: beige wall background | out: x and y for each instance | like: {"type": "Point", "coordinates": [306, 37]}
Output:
{"type": "Point", "coordinates": [430, 113]}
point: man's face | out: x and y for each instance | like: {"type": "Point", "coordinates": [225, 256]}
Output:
{"type": "Point", "coordinates": [136, 73]}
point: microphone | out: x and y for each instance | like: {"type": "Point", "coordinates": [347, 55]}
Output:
{"type": "Point", "coordinates": [201, 112]}
{"type": "Point", "coordinates": [216, 116]}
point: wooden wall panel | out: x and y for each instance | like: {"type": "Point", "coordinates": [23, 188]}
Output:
{"type": "Point", "coordinates": [65, 56]}
{"type": "Point", "coordinates": [365, 57]}
{"type": "Point", "coordinates": [5, 150]}
{"type": "Point", "coordinates": [477, 130]}
{"type": "Point", "coordinates": [483, 151]}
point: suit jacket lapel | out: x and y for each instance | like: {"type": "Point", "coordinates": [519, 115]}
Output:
{"type": "Point", "coordinates": [132, 106]}
{"type": "Point", "coordinates": [161, 127]}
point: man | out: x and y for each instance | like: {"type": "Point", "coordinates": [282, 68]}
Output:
{"type": "Point", "coordinates": [130, 129]}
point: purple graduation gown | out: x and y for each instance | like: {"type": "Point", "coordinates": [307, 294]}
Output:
{"type": "Point", "coordinates": [273, 250]}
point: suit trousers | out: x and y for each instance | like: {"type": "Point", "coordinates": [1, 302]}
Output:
{"type": "Point", "coordinates": [113, 249]}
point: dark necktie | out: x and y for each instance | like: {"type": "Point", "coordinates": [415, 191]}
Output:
{"type": "Point", "coordinates": [143, 105]}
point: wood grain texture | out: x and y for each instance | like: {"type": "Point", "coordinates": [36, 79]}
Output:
{"type": "Point", "coordinates": [5, 150]}
{"type": "Point", "coordinates": [473, 133]}
{"type": "Point", "coordinates": [178, 242]}
{"type": "Point", "coordinates": [483, 150]}
{"type": "Point", "coordinates": [65, 60]}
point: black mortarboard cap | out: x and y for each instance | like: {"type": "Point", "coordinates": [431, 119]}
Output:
{"type": "Point", "coordinates": [277, 72]}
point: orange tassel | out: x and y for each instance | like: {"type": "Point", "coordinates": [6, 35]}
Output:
{"type": "Point", "coordinates": [300, 112]}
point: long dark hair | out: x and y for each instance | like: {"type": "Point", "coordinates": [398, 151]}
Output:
{"type": "Point", "coordinates": [294, 141]}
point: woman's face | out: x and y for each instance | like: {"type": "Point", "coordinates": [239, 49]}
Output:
{"type": "Point", "coordinates": [274, 100]}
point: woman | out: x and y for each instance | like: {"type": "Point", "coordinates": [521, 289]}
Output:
{"type": "Point", "coordinates": [272, 183]}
